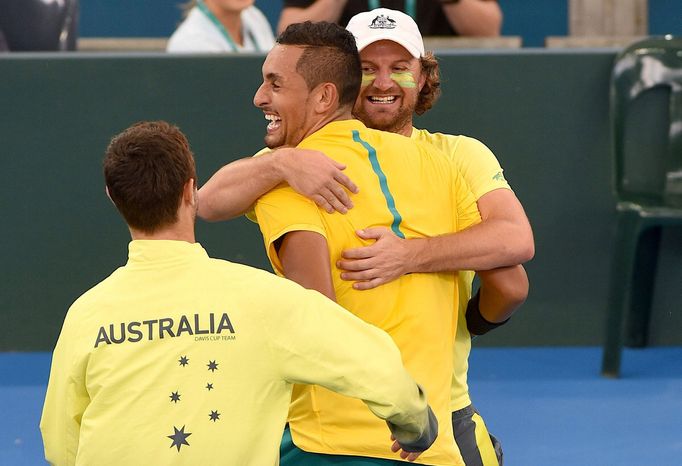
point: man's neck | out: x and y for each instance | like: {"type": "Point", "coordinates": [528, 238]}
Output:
{"type": "Point", "coordinates": [339, 115]}
{"type": "Point", "coordinates": [406, 130]}
{"type": "Point", "coordinates": [175, 232]}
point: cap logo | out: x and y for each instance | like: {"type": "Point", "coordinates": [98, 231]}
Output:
{"type": "Point", "coordinates": [382, 22]}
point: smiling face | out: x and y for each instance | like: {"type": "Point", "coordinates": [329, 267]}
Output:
{"type": "Point", "coordinates": [391, 81]}
{"type": "Point", "coordinates": [284, 97]}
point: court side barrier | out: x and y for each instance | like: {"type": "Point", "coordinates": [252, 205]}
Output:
{"type": "Point", "coordinates": [543, 112]}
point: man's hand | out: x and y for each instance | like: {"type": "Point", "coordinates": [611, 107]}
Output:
{"type": "Point", "coordinates": [378, 263]}
{"type": "Point", "coordinates": [317, 177]}
{"type": "Point", "coordinates": [409, 456]}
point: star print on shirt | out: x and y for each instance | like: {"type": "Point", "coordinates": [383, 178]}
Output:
{"type": "Point", "coordinates": [183, 361]}
{"type": "Point", "coordinates": [179, 438]}
{"type": "Point", "coordinates": [212, 366]}
{"type": "Point", "coordinates": [214, 416]}
{"type": "Point", "coordinates": [175, 397]}
{"type": "Point", "coordinates": [209, 386]}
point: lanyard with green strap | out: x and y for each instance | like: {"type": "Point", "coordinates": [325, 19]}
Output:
{"type": "Point", "coordinates": [410, 7]}
{"type": "Point", "coordinates": [209, 14]}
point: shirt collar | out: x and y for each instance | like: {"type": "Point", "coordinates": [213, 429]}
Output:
{"type": "Point", "coordinates": [148, 251]}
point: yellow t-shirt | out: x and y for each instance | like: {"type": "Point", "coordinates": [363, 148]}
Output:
{"type": "Point", "coordinates": [414, 190]}
{"type": "Point", "coordinates": [482, 173]}
{"type": "Point", "coordinates": [180, 359]}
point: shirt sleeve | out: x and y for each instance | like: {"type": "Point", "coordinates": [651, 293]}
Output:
{"type": "Point", "coordinates": [66, 398]}
{"type": "Point", "coordinates": [282, 211]}
{"type": "Point", "coordinates": [477, 164]}
{"type": "Point", "coordinates": [315, 341]}
{"type": "Point", "coordinates": [467, 208]}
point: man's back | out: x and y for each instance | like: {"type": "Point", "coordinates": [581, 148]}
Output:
{"type": "Point", "coordinates": [413, 191]}
{"type": "Point", "coordinates": [176, 357]}
{"type": "Point", "coordinates": [163, 346]}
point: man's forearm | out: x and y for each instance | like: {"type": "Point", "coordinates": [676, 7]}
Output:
{"type": "Point", "coordinates": [488, 245]}
{"type": "Point", "coordinates": [233, 189]}
{"type": "Point", "coordinates": [482, 18]}
{"type": "Point", "coordinates": [502, 291]}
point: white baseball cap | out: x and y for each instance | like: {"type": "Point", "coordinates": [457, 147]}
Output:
{"type": "Point", "coordinates": [385, 24]}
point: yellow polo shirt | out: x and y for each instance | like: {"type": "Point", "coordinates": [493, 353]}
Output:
{"type": "Point", "coordinates": [412, 189]}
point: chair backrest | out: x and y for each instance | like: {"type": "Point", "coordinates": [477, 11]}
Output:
{"type": "Point", "coordinates": [646, 119]}
{"type": "Point", "coordinates": [39, 25]}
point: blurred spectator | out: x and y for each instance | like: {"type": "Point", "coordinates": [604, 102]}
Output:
{"type": "Point", "coordinates": [434, 17]}
{"type": "Point", "coordinates": [222, 26]}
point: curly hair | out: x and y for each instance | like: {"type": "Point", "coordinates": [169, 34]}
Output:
{"type": "Point", "coordinates": [431, 90]}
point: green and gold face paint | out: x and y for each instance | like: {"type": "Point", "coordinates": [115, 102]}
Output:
{"type": "Point", "coordinates": [367, 79]}
{"type": "Point", "coordinates": [404, 79]}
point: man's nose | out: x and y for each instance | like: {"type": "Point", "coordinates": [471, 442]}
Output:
{"type": "Point", "coordinates": [260, 97]}
{"type": "Point", "coordinates": [383, 81]}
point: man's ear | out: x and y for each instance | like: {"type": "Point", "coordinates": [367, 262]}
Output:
{"type": "Point", "coordinates": [189, 191]}
{"type": "Point", "coordinates": [326, 98]}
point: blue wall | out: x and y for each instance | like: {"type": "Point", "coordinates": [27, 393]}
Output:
{"type": "Point", "coordinates": [665, 17]}
{"type": "Point", "coordinates": [533, 20]}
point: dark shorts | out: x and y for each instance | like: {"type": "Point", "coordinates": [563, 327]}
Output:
{"type": "Point", "coordinates": [291, 455]}
{"type": "Point", "coordinates": [477, 445]}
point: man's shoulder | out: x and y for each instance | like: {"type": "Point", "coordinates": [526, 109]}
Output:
{"type": "Point", "coordinates": [453, 145]}
{"type": "Point", "coordinates": [244, 272]}
{"type": "Point", "coordinates": [257, 285]}
{"type": "Point", "coordinates": [90, 300]}
{"type": "Point", "coordinates": [443, 141]}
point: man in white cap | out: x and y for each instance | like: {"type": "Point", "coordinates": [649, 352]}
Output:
{"type": "Point", "coordinates": [400, 79]}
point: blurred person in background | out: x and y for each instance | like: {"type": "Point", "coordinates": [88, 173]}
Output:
{"type": "Point", "coordinates": [235, 26]}
{"type": "Point", "coordinates": [478, 18]}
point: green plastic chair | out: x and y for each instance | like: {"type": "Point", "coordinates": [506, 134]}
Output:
{"type": "Point", "coordinates": [646, 124]}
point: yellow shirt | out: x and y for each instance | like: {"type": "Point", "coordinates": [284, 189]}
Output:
{"type": "Point", "coordinates": [482, 173]}
{"type": "Point", "coordinates": [180, 359]}
{"type": "Point", "coordinates": [412, 189]}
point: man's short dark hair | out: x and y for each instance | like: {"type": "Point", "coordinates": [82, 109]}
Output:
{"type": "Point", "coordinates": [330, 55]}
{"type": "Point", "coordinates": [145, 170]}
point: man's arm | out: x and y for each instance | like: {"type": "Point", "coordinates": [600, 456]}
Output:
{"type": "Point", "coordinates": [319, 10]}
{"type": "Point", "coordinates": [305, 259]}
{"type": "Point", "coordinates": [481, 18]}
{"type": "Point", "coordinates": [502, 291]}
{"type": "Point", "coordinates": [233, 189]}
{"type": "Point", "coordinates": [66, 399]}
{"type": "Point", "coordinates": [503, 238]}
